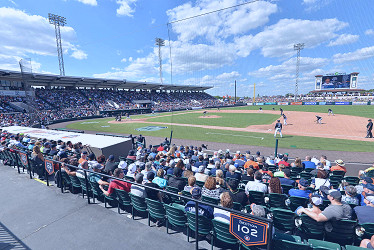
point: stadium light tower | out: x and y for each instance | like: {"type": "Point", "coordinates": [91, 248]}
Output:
{"type": "Point", "coordinates": [160, 42]}
{"type": "Point", "coordinates": [297, 47]}
{"type": "Point", "coordinates": [58, 21]}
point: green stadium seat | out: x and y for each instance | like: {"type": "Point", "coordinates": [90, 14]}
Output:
{"type": "Point", "coordinates": [85, 188]}
{"type": "Point", "coordinates": [174, 198]}
{"type": "Point", "coordinates": [175, 216]}
{"type": "Point", "coordinates": [237, 206]}
{"type": "Point", "coordinates": [286, 188]}
{"type": "Point", "coordinates": [285, 244]}
{"type": "Point", "coordinates": [283, 219]}
{"type": "Point", "coordinates": [343, 232]}
{"type": "Point", "coordinates": [138, 204]}
{"type": "Point", "coordinates": [156, 210]}
{"type": "Point", "coordinates": [221, 232]}
{"type": "Point", "coordinates": [317, 244]}
{"type": "Point", "coordinates": [75, 184]}
{"type": "Point", "coordinates": [210, 200]}
{"type": "Point", "coordinates": [350, 247]}
{"type": "Point", "coordinates": [352, 180]}
{"type": "Point", "coordinates": [200, 183]}
{"type": "Point", "coordinates": [123, 198]}
{"type": "Point", "coordinates": [310, 228]}
{"type": "Point", "coordinates": [204, 225]}
{"type": "Point", "coordinates": [338, 172]}
{"type": "Point", "coordinates": [296, 202]}
{"type": "Point", "coordinates": [256, 197]}
{"type": "Point", "coordinates": [277, 200]}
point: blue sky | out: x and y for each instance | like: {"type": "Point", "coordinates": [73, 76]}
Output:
{"type": "Point", "coordinates": [252, 43]}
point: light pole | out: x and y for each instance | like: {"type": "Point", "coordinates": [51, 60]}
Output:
{"type": "Point", "coordinates": [58, 21]}
{"type": "Point", "coordinates": [297, 47]}
{"type": "Point", "coordinates": [160, 42]}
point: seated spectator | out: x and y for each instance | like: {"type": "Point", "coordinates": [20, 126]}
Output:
{"type": "Point", "coordinates": [249, 174]}
{"type": "Point", "coordinates": [96, 177]}
{"type": "Point", "coordinates": [219, 179]}
{"type": "Point", "coordinates": [217, 165]}
{"type": "Point", "coordinates": [321, 180]}
{"type": "Point", "coordinates": [266, 174]}
{"type": "Point", "coordinates": [308, 163]}
{"type": "Point", "coordinates": [80, 173]}
{"type": "Point", "coordinates": [191, 184]}
{"type": "Point", "coordinates": [302, 191]}
{"type": "Point", "coordinates": [110, 165]}
{"type": "Point", "coordinates": [364, 181]}
{"type": "Point", "coordinates": [91, 158]}
{"type": "Point", "coordinates": [251, 161]}
{"type": "Point", "coordinates": [275, 186]}
{"type": "Point", "coordinates": [339, 166]}
{"type": "Point", "coordinates": [138, 190]}
{"type": "Point", "coordinates": [176, 180]}
{"type": "Point", "coordinates": [284, 162]}
{"type": "Point", "coordinates": [286, 179]}
{"type": "Point", "coordinates": [148, 169]}
{"type": "Point", "coordinates": [187, 174]}
{"type": "Point", "coordinates": [314, 202]}
{"type": "Point", "coordinates": [280, 173]}
{"type": "Point", "coordinates": [131, 155]}
{"type": "Point", "coordinates": [204, 210]}
{"type": "Point", "coordinates": [368, 190]}
{"type": "Point", "coordinates": [336, 211]}
{"type": "Point", "coordinates": [297, 163]}
{"type": "Point", "coordinates": [235, 193]}
{"type": "Point", "coordinates": [220, 214]}
{"type": "Point", "coordinates": [151, 193]}
{"type": "Point", "coordinates": [325, 163]}
{"type": "Point", "coordinates": [256, 185]}
{"type": "Point", "coordinates": [117, 184]}
{"type": "Point", "coordinates": [200, 175]}
{"type": "Point", "coordinates": [209, 189]}
{"type": "Point", "coordinates": [365, 213]}
{"type": "Point", "coordinates": [366, 243]}
{"type": "Point", "coordinates": [159, 179]}
{"type": "Point", "coordinates": [350, 195]}
{"type": "Point", "coordinates": [258, 210]}
{"type": "Point", "coordinates": [233, 174]}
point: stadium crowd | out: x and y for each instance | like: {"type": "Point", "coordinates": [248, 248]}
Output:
{"type": "Point", "coordinates": [272, 187]}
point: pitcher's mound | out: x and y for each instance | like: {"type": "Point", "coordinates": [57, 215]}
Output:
{"type": "Point", "coordinates": [210, 116]}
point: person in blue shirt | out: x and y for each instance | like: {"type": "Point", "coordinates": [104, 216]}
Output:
{"type": "Point", "coordinates": [302, 191]}
{"type": "Point", "coordinates": [308, 163]}
{"type": "Point", "coordinates": [286, 179]}
{"type": "Point", "coordinates": [368, 190]}
{"type": "Point", "coordinates": [204, 210]}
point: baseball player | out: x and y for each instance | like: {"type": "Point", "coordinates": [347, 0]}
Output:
{"type": "Point", "coordinates": [329, 111]}
{"type": "Point", "coordinates": [369, 128]}
{"type": "Point", "coordinates": [128, 116]}
{"type": "Point", "coordinates": [281, 110]}
{"type": "Point", "coordinates": [284, 119]}
{"type": "Point", "coordinates": [204, 113]}
{"type": "Point", "coordinates": [319, 119]}
{"type": "Point", "coordinates": [260, 109]}
{"type": "Point", "coordinates": [278, 129]}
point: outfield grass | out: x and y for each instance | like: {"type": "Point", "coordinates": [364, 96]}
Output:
{"type": "Point", "coordinates": [224, 136]}
{"type": "Point", "coordinates": [226, 119]}
{"type": "Point", "coordinates": [354, 110]}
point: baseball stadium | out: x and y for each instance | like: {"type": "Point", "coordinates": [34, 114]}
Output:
{"type": "Point", "coordinates": [200, 124]}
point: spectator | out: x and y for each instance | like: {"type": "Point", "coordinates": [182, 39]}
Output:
{"type": "Point", "coordinates": [297, 163]}
{"type": "Point", "coordinates": [321, 180]}
{"type": "Point", "coordinates": [336, 211]}
{"type": "Point", "coordinates": [365, 213]}
{"type": "Point", "coordinates": [220, 214]}
{"type": "Point", "coordinates": [275, 186]}
{"type": "Point", "coordinates": [219, 179]}
{"type": "Point", "coordinates": [138, 190]}
{"type": "Point", "coordinates": [191, 184]}
{"type": "Point", "coordinates": [209, 189]}
{"type": "Point", "coordinates": [339, 166]}
{"type": "Point", "coordinates": [217, 165]}
{"type": "Point", "coordinates": [258, 210]}
{"type": "Point", "coordinates": [237, 195]}
{"type": "Point", "coordinates": [256, 185]}
{"type": "Point", "coordinates": [159, 179]}
{"type": "Point", "coordinates": [350, 195]}
{"type": "Point", "coordinates": [201, 176]}
{"type": "Point", "coordinates": [149, 192]}
{"type": "Point", "coordinates": [96, 177]}
{"type": "Point", "coordinates": [368, 190]}
{"type": "Point", "coordinates": [314, 202]}
{"type": "Point", "coordinates": [176, 180]}
{"type": "Point", "coordinates": [251, 161]}
{"type": "Point", "coordinates": [308, 163]}
{"type": "Point", "coordinates": [364, 181]}
{"type": "Point", "coordinates": [204, 210]}
{"type": "Point", "coordinates": [38, 159]}
{"type": "Point", "coordinates": [284, 162]}
{"type": "Point", "coordinates": [110, 165]}
{"type": "Point", "coordinates": [286, 179]}
{"type": "Point", "coordinates": [302, 191]}
{"type": "Point", "coordinates": [117, 184]}
{"type": "Point", "coordinates": [233, 174]}
{"type": "Point", "coordinates": [249, 174]}
{"type": "Point", "coordinates": [280, 173]}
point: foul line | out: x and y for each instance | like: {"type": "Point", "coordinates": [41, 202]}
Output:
{"type": "Point", "coordinates": [210, 133]}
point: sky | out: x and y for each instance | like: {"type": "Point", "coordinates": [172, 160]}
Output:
{"type": "Point", "coordinates": [252, 43]}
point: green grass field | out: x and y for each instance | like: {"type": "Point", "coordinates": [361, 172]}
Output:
{"type": "Point", "coordinates": [226, 119]}
{"type": "Point", "coordinates": [234, 137]}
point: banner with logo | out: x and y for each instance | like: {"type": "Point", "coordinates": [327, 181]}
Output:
{"type": "Point", "coordinates": [342, 103]}
{"type": "Point", "coordinates": [23, 158]}
{"type": "Point", "coordinates": [249, 104]}
{"type": "Point", "coordinates": [49, 167]}
{"type": "Point", "coordinates": [259, 103]}
{"type": "Point", "coordinates": [296, 103]}
{"type": "Point", "coordinates": [282, 103]}
{"type": "Point", "coordinates": [270, 103]}
{"type": "Point", "coordinates": [309, 103]}
{"type": "Point", "coordinates": [359, 103]}
{"type": "Point", "coordinates": [330, 103]}
{"type": "Point", "coordinates": [321, 103]}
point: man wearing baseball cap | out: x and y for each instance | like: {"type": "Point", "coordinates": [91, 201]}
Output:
{"type": "Point", "coordinates": [336, 211]}
{"type": "Point", "coordinates": [368, 190]}
{"type": "Point", "coordinates": [204, 210]}
{"type": "Point", "coordinates": [302, 191]}
{"type": "Point", "coordinates": [365, 213]}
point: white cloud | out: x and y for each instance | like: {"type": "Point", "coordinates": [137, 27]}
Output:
{"type": "Point", "coordinates": [23, 35]}
{"type": "Point", "coordinates": [153, 21]}
{"type": "Point", "coordinates": [78, 54]}
{"type": "Point", "coordinates": [123, 60]}
{"type": "Point", "coordinates": [14, 3]}
{"type": "Point", "coordinates": [360, 54]}
{"type": "Point", "coordinates": [369, 32]}
{"type": "Point", "coordinates": [125, 7]}
{"type": "Point", "coordinates": [130, 59]}
{"type": "Point", "coordinates": [139, 51]}
{"type": "Point", "coordinates": [89, 2]}
{"type": "Point", "coordinates": [314, 5]}
{"type": "Point", "coordinates": [344, 39]}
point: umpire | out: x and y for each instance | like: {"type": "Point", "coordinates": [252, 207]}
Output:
{"type": "Point", "coordinates": [369, 128]}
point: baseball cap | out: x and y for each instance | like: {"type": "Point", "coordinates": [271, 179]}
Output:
{"type": "Point", "coordinates": [335, 194]}
{"type": "Point", "coordinates": [303, 182]}
{"type": "Point", "coordinates": [325, 190]}
{"type": "Point", "coordinates": [150, 176]}
{"type": "Point", "coordinates": [369, 186]}
{"type": "Point", "coordinates": [367, 179]}
{"type": "Point", "coordinates": [111, 157]}
{"type": "Point", "coordinates": [196, 192]}
{"type": "Point", "coordinates": [84, 153]}
{"type": "Point", "coordinates": [317, 200]}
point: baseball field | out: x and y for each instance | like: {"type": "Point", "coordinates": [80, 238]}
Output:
{"type": "Point", "coordinates": [343, 131]}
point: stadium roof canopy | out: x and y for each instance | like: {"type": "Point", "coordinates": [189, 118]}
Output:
{"type": "Point", "coordinates": [46, 80]}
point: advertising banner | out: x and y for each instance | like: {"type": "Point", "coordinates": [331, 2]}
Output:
{"type": "Point", "coordinates": [49, 167]}
{"type": "Point", "coordinates": [23, 158]}
{"type": "Point", "coordinates": [259, 103]}
{"type": "Point", "coordinates": [342, 103]}
{"type": "Point", "coordinates": [270, 103]}
{"type": "Point", "coordinates": [330, 103]}
{"type": "Point", "coordinates": [322, 103]}
{"type": "Point", "coordinates": [359, 103]}
{"type": "Point", "coordinates": [249, 104]}
{"type": "Point", "coordinates": [282, 103]}
{"type": "Point", "coordinates": [296, 103]}
{"type": "Point", "coordinates": [309, 103]}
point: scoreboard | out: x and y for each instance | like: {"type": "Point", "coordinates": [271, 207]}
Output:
{"type": "Point", "coordinates": [336, 81]}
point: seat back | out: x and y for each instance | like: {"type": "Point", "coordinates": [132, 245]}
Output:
{"type": "Point", "coordinates": [175, 215]}
{"type": "Point", "coordinates": [369, 230]}
{"type": "Point", "coordinates": [156, 209]}
{"type": "Point", "coordinates": [338, 172]}
{"type": "Point", "coordinates": [352, 180]}
{"type": "Point", "coordinates": [138, 203]}
{"type": "Point", "coordinates": [123, 197]}
{"type": "Point", "coordinates": [83, 184]}
{"type": "Point", "coordinates": [285, 244]}
{"type": "Point", "coordinates": [96, 188]}
{"type": "Point", "coordinates": [210, 200]}
{"type": "Point", "coordinates": [297, 202]}
{"type": "Point", "coordinates": [308, 170]}
{"type": "Point", "coordinates": [306, 175]}
{"type": "Point", "coordinates": [175, 190]}
{"type": "Point", "coordinates": [277, 200]}
{"type": "Point", "coordinates": [75, 181]}
{"type": "Point", "coordinates": [65, 178]}
{"type": "Point", "coordinates": [129, 178]}
{"type": "Point", "coordinates": [237, 206]}
{"type": "Point", "coordinates": [283, 219]}
{"type": "Point", "coordinates": [204, 224]}
{"type": "Point", "coordinates": [343, 232]}
{"type": "Point", "coordinates": [222, 232]}
{"type": "Point", "coordinates": [286, 188]}
{"type": "Point", "coordinates": [325, 244]}
{"type": "Point", "coordinates": [311, 228]}
{"type": "Point", "coordinates": [256, 197]}
{"type": "Point", "coordinates": [289, 237]}
{"type": "Point", "coordinates": [200, 183]}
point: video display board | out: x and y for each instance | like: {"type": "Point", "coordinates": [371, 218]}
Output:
{"type": "Point", "coordinates": [336, 82]}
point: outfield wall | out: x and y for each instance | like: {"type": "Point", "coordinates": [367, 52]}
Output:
{"type": "Point", "coordinates": [309, 103]}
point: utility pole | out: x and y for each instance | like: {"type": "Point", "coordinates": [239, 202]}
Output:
{"type": "Point", "coordinates": [160, 43]}
{"type": "Point", "coordinates": [235, 93]}
{"type": "Point", "coordinates": [58, 21]}
{"type": "Point", "coordinates": [297, 47]}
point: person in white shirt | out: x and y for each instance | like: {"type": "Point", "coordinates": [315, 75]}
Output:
{"type": "Point", "coordinates": [256, 185]}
